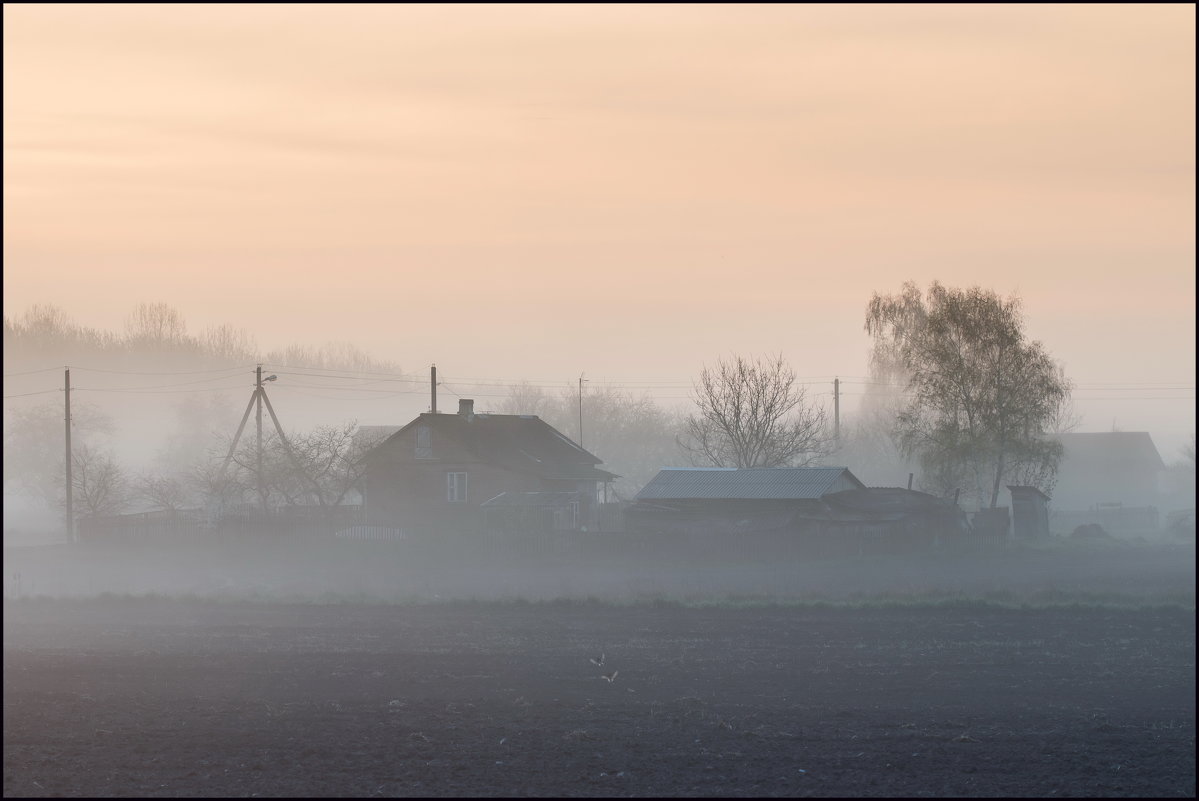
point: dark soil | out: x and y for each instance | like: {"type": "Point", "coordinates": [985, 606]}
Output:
{"type": "Point", "coordinates": [163, 697]}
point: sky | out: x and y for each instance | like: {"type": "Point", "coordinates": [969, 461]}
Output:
{"type": "Point", "coordinates": [629, 192]}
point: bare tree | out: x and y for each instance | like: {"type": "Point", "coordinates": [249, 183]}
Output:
{"type": "Point", "coordinates": [46, 321]}
{"type": "Point", "coordinates": [526, 398]}
{"type": "Point", "coordinates": [331, 355]}
{"type": "Point", "coordinates": [633, 435]}
{"type": "Point", "coordinates": [281, 483]}
{"type": "Point", "coordinates": [753, 413]}
{"type": "Point", "coordinates": [35, 446]}
{"type": "Point", "coordinates": [99, 483]}
{"type": "Point", "coordinates": [158, 323]}
{"type": "Point", "coordinates": [319, 467]}
{"type": "Point", "coordinates": [217, 487]}
{"type": "Point", "coordinates": [166, 493]}
{"type": "Point", "coordinates": [981, 398]}
{"type": "Point", "coordinates": [331, 460]}
{"type": "Point", "coordinates": [45, 331]}
{"type": "Point", "coordinates": [228, 344]}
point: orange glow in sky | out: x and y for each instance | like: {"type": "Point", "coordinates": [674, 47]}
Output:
{"type": "Point", "coordinates": [631, 191]}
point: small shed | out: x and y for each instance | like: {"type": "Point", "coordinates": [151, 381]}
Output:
{"type": "Point", "coordinates": [892, 517]}
{"type": "Point", "coordinates": [1030, 513]}
{"type": "Point", "coordinates": [720, 500]}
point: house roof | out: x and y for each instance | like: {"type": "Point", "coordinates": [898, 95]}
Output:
{"type": "Point", "coordinates": [764, 483]}
{"type": "Point", "coordinates": [1115, 450]}
{"type": "Point", "coordinates": [1018, 491]}
{"type": "Point", "coordinates": [519, 442]}
{"type": "Point", "coordinates": [374, 435]}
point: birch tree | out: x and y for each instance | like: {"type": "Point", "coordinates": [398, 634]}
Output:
{"type": "Point", "coordinates": [981, 397]}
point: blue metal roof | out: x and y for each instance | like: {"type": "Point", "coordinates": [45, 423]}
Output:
{"type": "Point", "coordinates": [778, 483]}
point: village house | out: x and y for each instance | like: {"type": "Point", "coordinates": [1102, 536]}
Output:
{"type": "Point", "coordinates": [1110, 478]}
{"type": "Point", "coordinates": [464, 472]}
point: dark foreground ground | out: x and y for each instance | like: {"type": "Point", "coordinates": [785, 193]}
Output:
{"type": "Point", "coordinates": [159, 697]}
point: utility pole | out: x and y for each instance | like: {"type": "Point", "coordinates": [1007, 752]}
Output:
{"type": "Point", "coordinates": [580, 410]}
{"type": "Point", "coordinates": [256, 399]}
{"type": "Point", "coordinates": [258, 412]}
{"type": "Point", "coordinates": [433, 385]}
{"type": "Point", "coordinates": [837, 411]}
{"type": "Point", "coordinates": [70, 483]}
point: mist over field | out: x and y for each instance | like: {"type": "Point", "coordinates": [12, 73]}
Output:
{"type": "Point", "coordinates": [1122, 572]}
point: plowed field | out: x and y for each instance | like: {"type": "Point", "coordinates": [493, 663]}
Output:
{"type": "Point", "coordinates": [159, 697]}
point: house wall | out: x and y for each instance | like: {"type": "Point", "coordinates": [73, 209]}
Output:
{"type": "Point", "coordinates": [1122, 470]}
{"type": "Point", "coordinates": [1080, 486]}
{"type": "Point", "coordinates": [842, 483]}
{"type": "Point", "coordinates": [413, 495]}
{"type": "Point", "coordinates": [1030, 515]}
{"type": "Point", "coordinates": [403, 491]}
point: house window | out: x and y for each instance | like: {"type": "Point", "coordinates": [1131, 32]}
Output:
{"type": "Point", "coordinates": [455, 487]}
{"type": "Point", "coordinates": [574, 515]}
{"type": "Point", "coordinates": [424, 442]}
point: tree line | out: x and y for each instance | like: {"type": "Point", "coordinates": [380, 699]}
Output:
{"type": "Point", "coordinates": [957, 390]}
{"type": "Point", "coordinates": [157, 333]}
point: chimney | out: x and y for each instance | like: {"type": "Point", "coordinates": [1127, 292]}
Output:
{"type": "Point", "coordinates": [466, 407]}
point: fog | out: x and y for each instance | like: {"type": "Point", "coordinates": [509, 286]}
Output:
{"type": "Point", "coordinates": [1116, 571]}
{"type": "Point", "coordinates": [521, 209]}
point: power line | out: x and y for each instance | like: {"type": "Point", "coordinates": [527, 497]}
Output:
{"type": "Point", "coordinates": [154, 391]}
{"type": "Point", "coordinates": [651, 386]}
{"type": "Point", "coordinates": [180, 372]}
{"type": "Point", "coordinates": [388, 396]}
{"type": "Point", "coordinates": [350, 389]}
{"type": "Point", "coordinates": [31, 372]}
{"type": "Point", "coordinates": [162, 386]}
{"type": "Point", "coordinates": [406, 379]}
{"type": "Point", "coordinates": [27, 394]}
{"type": "Point", "coordinates": [276, 368]}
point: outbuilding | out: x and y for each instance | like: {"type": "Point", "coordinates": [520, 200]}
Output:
{"type": "Point", "coordinates": [1030, 513]}
{"type": "Point", "coordinates": [725, 500]}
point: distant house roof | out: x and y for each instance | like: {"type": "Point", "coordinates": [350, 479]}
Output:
{"type": "Point", "coordinates": [765, 483]}
{"type": "Point", "coordinates": [1113, 450]}
{"type": "Point", "coordinates": [519, 442]}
